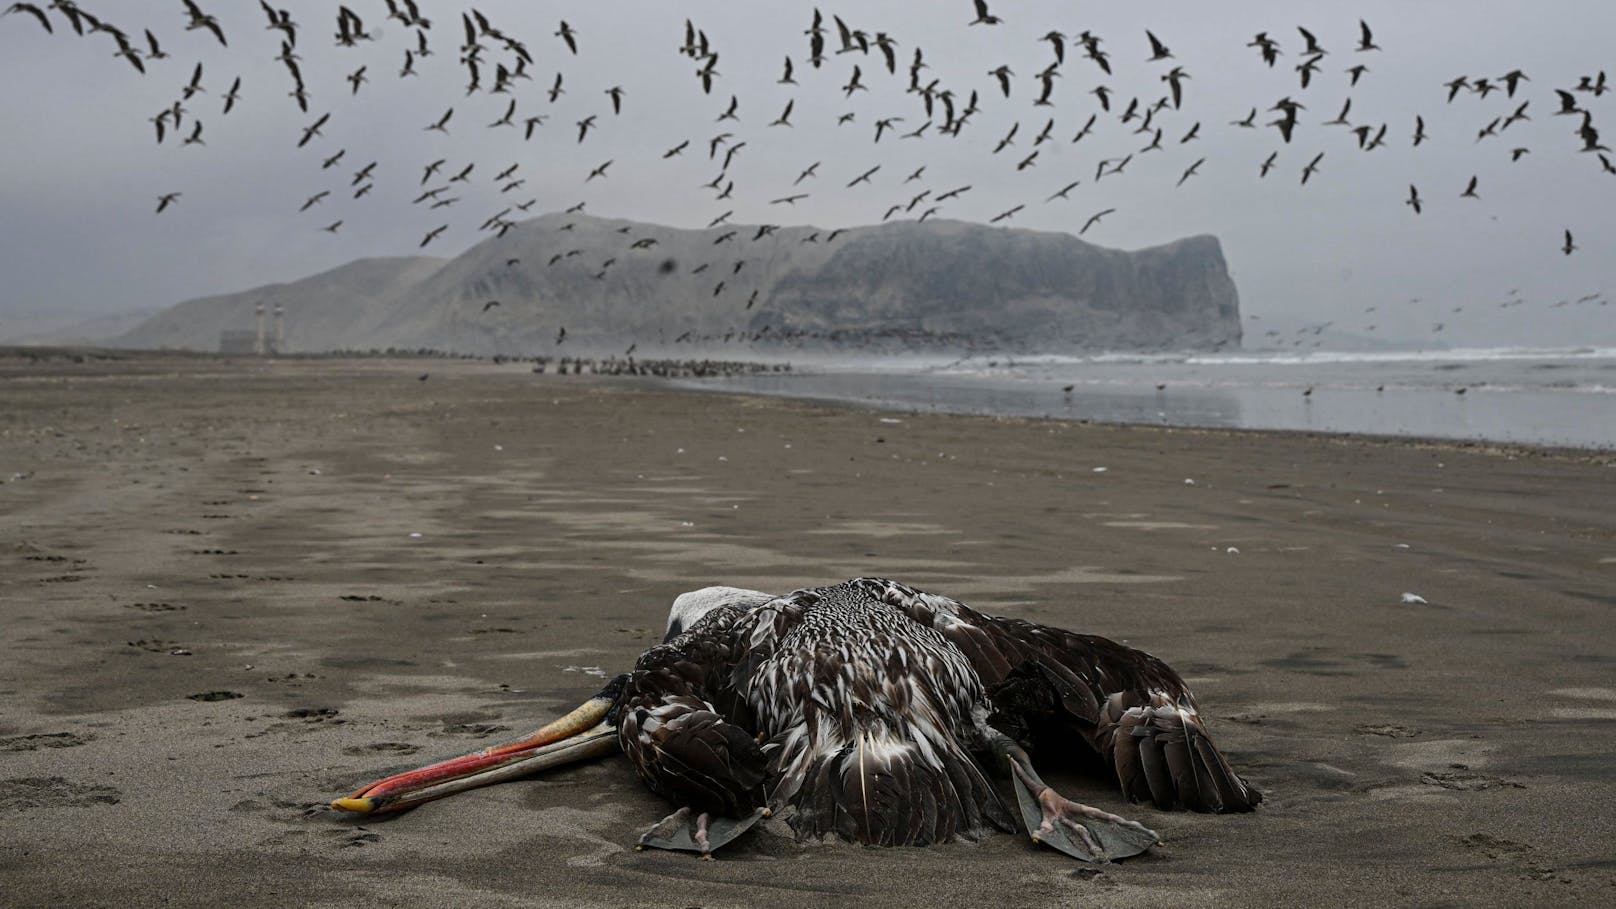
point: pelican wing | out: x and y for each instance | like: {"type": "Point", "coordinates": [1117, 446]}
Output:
{"type": "Point", "coordinates": [1130, 707]}
{"type": "Point", "coordinates": [682, 727]}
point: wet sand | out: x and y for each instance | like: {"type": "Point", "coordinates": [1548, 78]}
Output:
{"type": "Point", "coordinates": [233, 589]}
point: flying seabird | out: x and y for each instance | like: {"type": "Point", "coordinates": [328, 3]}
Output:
{"type": "Point", "coordinates": [854, 83]}
{"type": "Point", "coordinates": [864, 177]}
{"type": "Point", "coordinates": [200, 19]}
{"type": "Point", "coordinates": [31, 10]}
{"type": "Point", "coordinates": [873, 711]}
{"type": "Point", "coordinates": [1268, 47]}
{"type": "Point", "coordinates": [1175, 82]}
{"type": "Point", "coordinates": [1006, 215]}
{"type": "Point", "coordinates": [194, 87]}
{"type": "Point", "coordinates": [1366, 39]}
{"type": "Point", "coordinates": [1061, 193]}
{"type": "Point", "coordinates": [1308, 67]}
{"type": "Point", "coordinates": [233, 95]}
{"type": "Point", "coordinates": [1158, 50]}
{"type": "Point", "coordinates": [1312, 167]}
{"type": "Point", "coordinates": [1003, 74]}
{"type": "Point", "coordinates": [1313, 47]}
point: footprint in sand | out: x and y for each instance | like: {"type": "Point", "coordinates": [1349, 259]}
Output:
{"type": "Point", "coordinates": [480, 730]}
{"type": "Point", "coordinates": [380, 748]}
{"type": "Point", "coordinates": [1524, 859]}
{"type": "Point", "coordinates": [1462, 778]}
{"type": "Point", "coordinates": [154, 607]}
{"type": "Point", "coordinates": [358, 836]}
{"type": "Point", "coordinates": [1389, 730]}
{"type": "Point", "coordinates": [1602, 708]}
{"type": "Point", "coordinates": [54, 792]}
{"type": "Point", "coordinates": [155, 646]}
{"type": "Point", "coordinates": [41, 740]}
{"type": "Point", "coordinates": [216, 696]}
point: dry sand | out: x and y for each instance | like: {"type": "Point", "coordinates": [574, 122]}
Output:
{"type": "Point", "coordinates": [231, 590]}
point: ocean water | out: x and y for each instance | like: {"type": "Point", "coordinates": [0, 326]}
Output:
{"type": "Point", "coordinates": [1538, 396]}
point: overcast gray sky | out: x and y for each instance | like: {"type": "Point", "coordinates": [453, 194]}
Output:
{"type": "Point", "coordinates": [80, 170]}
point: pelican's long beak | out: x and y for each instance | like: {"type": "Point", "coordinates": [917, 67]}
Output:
{"type": "Point", "coordinates": [584, 733]}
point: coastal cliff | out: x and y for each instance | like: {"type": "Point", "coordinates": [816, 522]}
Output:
{"type": "Point", "coordinates": [937, 285]}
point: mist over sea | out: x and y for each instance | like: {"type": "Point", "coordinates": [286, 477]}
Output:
{"type": "Point", "coordinates": [1539, 396]}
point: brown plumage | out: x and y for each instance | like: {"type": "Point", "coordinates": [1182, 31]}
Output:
{"type": "Point", "coordinates": [866, 697]}
{"type": "Point", "coordinates": [875, 712]}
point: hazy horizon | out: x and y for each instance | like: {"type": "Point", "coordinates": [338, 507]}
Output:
{"type": "Point", "coordinates": [80, 184]}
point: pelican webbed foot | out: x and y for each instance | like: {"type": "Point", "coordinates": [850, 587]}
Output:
{"type": "Point", "coordinates": [687, 830]}
{"type": "Point", "coordinates": [1082, 832]}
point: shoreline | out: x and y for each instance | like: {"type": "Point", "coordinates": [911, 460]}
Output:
{"type": "Point", "coordinates": [235, 590]}
{"type": "Point", "coordinates": [1591, 455]}
{"type": "Point", "coordinates": [1422, 404]}
{"type": "Point", "coordinates": [656, 373]}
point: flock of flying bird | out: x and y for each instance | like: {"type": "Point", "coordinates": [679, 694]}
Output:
{"type": "Point", "coordinates": [499, 67]}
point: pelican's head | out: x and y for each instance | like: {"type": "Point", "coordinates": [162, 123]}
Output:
{"type": "Point", "coordinates": [588, 731]}
{"type": "Point", "coordinates": [689, 608]}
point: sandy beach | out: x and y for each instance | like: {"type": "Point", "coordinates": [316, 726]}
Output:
{"type": "Point", "coordinates": [233, 589]}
